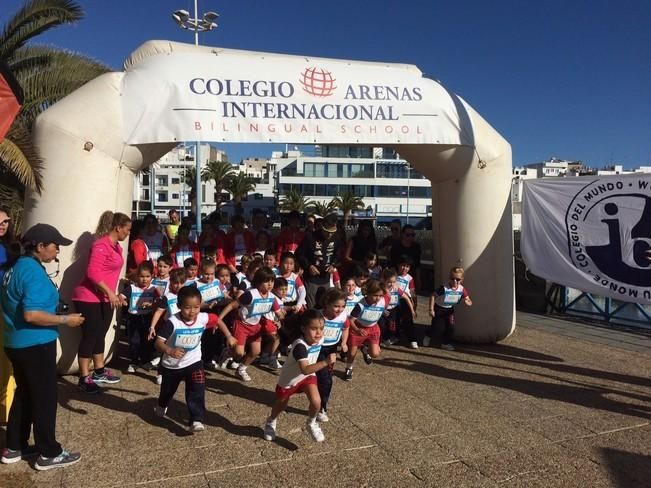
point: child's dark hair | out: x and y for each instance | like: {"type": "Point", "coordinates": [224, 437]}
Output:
{"type": "Point", "coordinates": [373, 286]}
{"type": "Point", "coordinates": [309, 316]}
{"type": "Point", "coordinates": [145, 266]}
{"type": "Point", "coordinates": [165, 258]}
{"type": "Point", "coordinates": [333, 295]}
{"type": "Point", "coordinates": [388, 273]}
{"type": "Point", "coordinates": [246, 260]}
{"type": "Point", "coordinates": [190, 262]}
{"type": "Point", "coordinates": [209, 251]}
{"type": "Point", "coordinates": [404, 259]}
{"type": "Point", "coordinates": [222, 267]}
{"type": "Point", "coordinates": [178, 275]}
{"type": "Point", "coordinates": [287, 255]}
{"type": "Point", "coordinates": [359, 272]}
{"type": "Point", "coordinates": [254, 266]}
{"type": "Point", "coordinates": [262, 275]}
{"type": "Point", "coordinates": [186, 293]}
{"type": "Point", "coordinates": [270, 252]}
{"type": "Point", "coordinates": [207, 263]}
{"type": "Point", "coordinates": [280, 282]}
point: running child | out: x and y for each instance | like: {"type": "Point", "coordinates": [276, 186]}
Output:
{"type": "Point", "coordinates": [191, 267]}
{"type": "Point", "coordinates": [140, 298]}
{"type": "Point", "coordinates": [271, 327]}
{"type": "Point", "coordinates": [179, 339]}
{"type": "Point", "coordinates": [245, 261]}
{"type": "Point", "coordinates": [252, 305]}
{"type": "Point", "coordinates": [335, 332]}
{"type": "Point", "coordinates": [212, 296]}
{"type": "Point", "coordinates": [350, 287]}
{"type": "Point", "coordinates": [298, 376]}
{"type": "Point", "coordinates": [372, 265]}
{"type": "Point", "coordinates": [441, 306]}
{"type": "Point", "coordinates": [163, 268]}
{"type": "Point", "coordinates": [184, 248]}
{"type": "Point", "coordinates": [392, 314]}
{"type": "Point", "coordinates": [364, 329]}
{"type": "Point", "coordinates": [295, 299]}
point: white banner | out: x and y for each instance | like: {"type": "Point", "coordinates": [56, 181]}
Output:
{"type": "Point", "coordinates": [238, 96]}
{"type": "Point", "coordinates": [591, 233]}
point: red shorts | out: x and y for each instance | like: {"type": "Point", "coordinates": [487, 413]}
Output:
{"type": "Point", "coordinates": [245, 333]}
{"type": "Point", "coordinates": [268, 327]}
{"type": "Point", "coordinates": [372, 336]}
{"type": "Point", "coordinates": [284, 393]}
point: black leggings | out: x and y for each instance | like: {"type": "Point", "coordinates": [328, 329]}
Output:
{"type": "Point", "coordinates": [35, 399]}
{"type": "Point", "coordinates": [93, 331]}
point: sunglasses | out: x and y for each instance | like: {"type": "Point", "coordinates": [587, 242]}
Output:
{"type": "Point", "coordinates": [456, 279]}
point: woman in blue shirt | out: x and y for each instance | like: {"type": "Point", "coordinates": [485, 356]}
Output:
{"type": "Point", "coordinates": [29, 302]}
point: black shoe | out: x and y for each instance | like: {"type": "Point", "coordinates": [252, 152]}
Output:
{"type": "Point", "coordinates": [87, 385]}
{"type": "Point", "coordinates": [62, 460]}
{"type": "Point", "coordinates": [349, 374]}
{"type": "Point", "coordinates": [367, 357]}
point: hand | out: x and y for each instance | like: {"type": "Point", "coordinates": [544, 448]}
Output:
{"type": "Point", "coordinates": [361, 331]}
{"type": "Point", "coordinates": [386, 313]}
{"type": "Point", "coordinates": [152, 333]}
{"type": "Point", "coordinates": [432, 313]}
{"type": "Point", "coordinates": [330, 269]}
{"type": "Point", "coordinates": [176, 353]}
{"type": "Point", "coordinates": [344, 348]}
{"type": "Point", "coordinates": [116, 300]}
{"type": "Point", "coordinates": [314, 271]}
{"type": "Point", "coordinates": [74, 319]}
{"type": "Point", "coordinates": [231, 341]}
{"type": "Point", "coordinates": [331, 359]}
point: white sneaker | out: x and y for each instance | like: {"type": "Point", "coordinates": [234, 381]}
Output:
{"type": "Point", "coordinates": [269, 431]}
{"type": "Point", "coordinates": [447, 347]}
{"type": "Point", "coordinates": [315, 431]}
{"type": "Point", "coordinates": [322, 416]}
{"type": "Point", "coordinates": [233, 365]}
{"type": "Point", "coordinates": [155, 362]}
{"type": "Point", "coordinates": [223, 360]}
{"type": "Point", "coordinates": [413, 345]}
{"type": "Point", "coordinates": [197, 427]}
{"type": "Point", "coordinates": [241, 372]}
{"type": "Point", "coordinates": [131, 368]}
{"type": "Point", "coordinates": [274, 363]}
{"type": "Point", "coordinates": [159, 379]}
{"type": "Point", "coordinates": [386, 343]}
{"type": "Point", "coordinates": [212, 365]}
{"type": "Point", "coordinates": [160, 411]}
{"type": "Point", "coordinates": [426, 341]}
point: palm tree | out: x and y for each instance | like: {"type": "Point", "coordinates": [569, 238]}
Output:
{"type": "Point", "coordinates": [220, 172]}
{"type": "Point", "coordinates": [46, 75]}
{"type": "Point", "coordinates": [294, 201]}
{"type": "Point", "coordinates": [348, 202]}
{"type": "Point", "coordinates": [323, 208]}
{"type": "Point", "coordinates": [239, 186]}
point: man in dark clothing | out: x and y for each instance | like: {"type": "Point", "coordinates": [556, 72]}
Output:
{"type": "Point", "coordinates": [319, 252]}
{"type": "Point", "coordinates": [407, 246]}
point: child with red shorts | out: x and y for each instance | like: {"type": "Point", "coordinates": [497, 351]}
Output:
{"type": "Point", "coordinates": [364, 329]}
{"type": "Point", "coordinates": [298, 375]}
{"type": "Point", "coordinates": [252, 306]}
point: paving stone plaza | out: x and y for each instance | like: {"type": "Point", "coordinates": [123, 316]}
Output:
{"type": "Point", "coordinates": [558, 404]}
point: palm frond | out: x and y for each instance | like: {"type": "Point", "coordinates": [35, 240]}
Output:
{"type": "Point", "coordinates": [34, 18]}
{"type": "Point", "coordinates": [13, 199]}
{"type": "Point", "coordinates": [19, 155]}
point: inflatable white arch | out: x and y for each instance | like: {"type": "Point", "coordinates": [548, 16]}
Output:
{"type": "Point", "coordinates": [171, 92]}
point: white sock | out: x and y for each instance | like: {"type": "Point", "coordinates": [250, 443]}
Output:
{"type": "Point", "coordinates": [271, 422]}
{"type": "Point", "coordinates": [242, 367]}
{"type": "Point", "coordinates": [311, 421]}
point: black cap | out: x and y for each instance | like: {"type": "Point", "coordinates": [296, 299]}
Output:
{"type": "Point", "coordinates": [45, 234]}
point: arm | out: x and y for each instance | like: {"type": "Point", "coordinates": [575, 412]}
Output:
{"type": "Point", "coordinates": [215, 322]}
{"type": "Point", "coordinates": [344, 336]}
{"type": "Point", "coordinates": [174, 352]}
{"type": "Point", "coordinates": [160, 312]}
{"type": "Point", "coordinates": [466, 298]}
{"type": "Point", "coordinates": [234, 305]}
{"type": "Point", "coordinates": [355, 328]}
{"type": "Point", "coordinates": [432, 300]}
{"type": "Point", "coordinates": [410, 304]}
{"type": "Point", "coordinates": [319, 365]}
{"type": "Point", "coordinates": [45, 319]}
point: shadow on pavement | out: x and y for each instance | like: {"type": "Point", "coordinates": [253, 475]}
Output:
{"type": "Point", "coordinates": [628, 469]}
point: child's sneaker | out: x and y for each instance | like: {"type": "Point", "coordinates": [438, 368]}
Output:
{"type": "Point", "coordinates": [274, 363]}
{"type": "Point", "coordinates": [155, 362]}
{"type": "Point", "coordinates": [426, 341]}
{"type": "Point", "coordinates": [447, 347]}
{"type": "Point", "coordinates": [62, 460]}
{"type": "Point", "coordinates": [233, 365]}
{"type": "Point", "coordinates": [223, 360]}
{"type": "Point", "coordinates": [367, 357]}
{"type": "Point", "coordinates": [9, 456]}
{"type": "Point", "coordinates": [160, 411]}
{"type": "Point", "coordinates": [393, 340]}
{"type": "Point", "coordinates": [131, 368]}
{"type": "Point", "coordinates": [322, 416]}
{"type": "Point", "coordinates": [269, 431]}
{"type": "Point", "coordinates": [106, 377]}
{"type": "Point", "coordinates": [159, 379]}
{"type": "Point", "coordinates": [197, 427]}
{"type": "Point", "coordinates": [315, 431]}
{"type": "Point", "coordinates": [348, 374]}
{"type": "Point", "coordinates": [413, 345]}
{"type": "Point", "coordinates": [386, 343]}
{"type": "Point", "coordinates": [87, 385]}
{"type": "Point", "coordinates": [241, 372]}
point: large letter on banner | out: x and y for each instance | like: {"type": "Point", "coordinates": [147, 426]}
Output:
{"type": "Point", "coordinates": [591, 233]}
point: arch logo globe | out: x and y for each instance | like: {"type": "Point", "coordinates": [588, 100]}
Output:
{"type": "Point", "coordinates": [317, 82]}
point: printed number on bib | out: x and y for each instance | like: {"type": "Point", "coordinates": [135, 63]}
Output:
{"type": "Point", "coordinates": [260, 308]}
{"type": "Point", "coordinates": [188, 341]}
{"type": "Point", "coordinates": [451, 299]}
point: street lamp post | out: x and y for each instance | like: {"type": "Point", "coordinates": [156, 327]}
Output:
{"type": "Point", "coordinates": [206, 23]}
{"type": "Point", "coordinates": [408, 189]}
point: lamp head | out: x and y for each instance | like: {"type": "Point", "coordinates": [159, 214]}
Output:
{"type": "Point", "coordinates": [210, 16]}
{"type": "Point", "coordinates": [180, 16]}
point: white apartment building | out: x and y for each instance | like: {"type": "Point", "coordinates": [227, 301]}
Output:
{"type": "Point", "coordinates": [389, 187]}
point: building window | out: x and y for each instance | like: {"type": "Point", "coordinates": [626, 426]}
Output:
{"type": "Point", "coordinates": [161, 180]}
{"type": "Point", "coordinates": [176, 181]}
{"type": "Point", "coordinates": [162, 196]}
{"type": "Point", "coordinates": [145, 179]}
{"type": "Point", "coordinates": [144, 195]}
{"type": "Point", "coordinates": [175, 196]}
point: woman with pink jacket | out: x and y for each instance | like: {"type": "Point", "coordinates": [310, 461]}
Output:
{"type": "Point", "coordinates": [95, 298]}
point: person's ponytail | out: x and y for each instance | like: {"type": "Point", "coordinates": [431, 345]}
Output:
{"type": "Point", "coordinates": [105, 224]}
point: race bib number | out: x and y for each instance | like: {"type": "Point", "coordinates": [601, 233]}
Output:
{"type": "Point", "coordinates": [261, 307]}
{"type": "Point", "coordinates": [451, 298]}
{"type": "Point", "coordinates": [372, 314]}
{"type": "Point", "coordinates": [188, 339]}
{"type": "Point", "coordinates": [331, 332]}
{"type": "Point", "coordinates": [210, 292]}
{"type": "Point", "coordinates": [161, 286]}
{"type": "Point", "coordinates": [313, 353]}
{"type": "Point", "coordinates": [172, 306]}
{"type": "Point", "coordinates": [291, 289]}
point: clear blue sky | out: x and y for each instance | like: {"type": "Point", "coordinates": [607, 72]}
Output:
{"type": "Point", "coordinates": [570, 79]}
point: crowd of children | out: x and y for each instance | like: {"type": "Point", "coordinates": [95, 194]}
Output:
{"type": "Point", "coordinates": [201, 306]}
